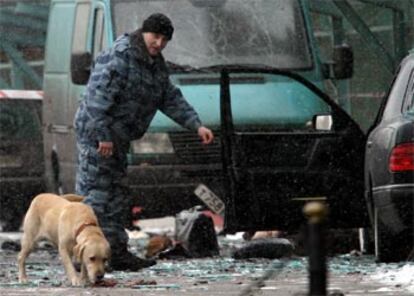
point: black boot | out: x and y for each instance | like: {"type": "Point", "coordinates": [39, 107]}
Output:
{"type": "Point", "coordinates": [128, 261]}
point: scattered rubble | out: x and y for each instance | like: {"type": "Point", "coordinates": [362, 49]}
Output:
{"type": "Point", "coordinates": [250, 264]}
{"type": "Point", "coordinates": [271, 248]}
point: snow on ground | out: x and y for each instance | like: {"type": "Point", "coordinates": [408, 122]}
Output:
{"type": "Point", "coordinates": [394, 276]}
{"type": "Point", "coordinates": [397, 275]}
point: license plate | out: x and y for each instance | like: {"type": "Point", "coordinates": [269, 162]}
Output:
{"type": "Point", "coordinates": [10, 161]}
{"type": "Point", "coordinates": [210, 199]}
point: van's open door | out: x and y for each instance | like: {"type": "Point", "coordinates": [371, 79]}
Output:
{"type": "Point", "coordinates": [272, 169]}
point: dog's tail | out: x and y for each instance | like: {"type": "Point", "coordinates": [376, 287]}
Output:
{"type": "Point", "coordinates": [73, 197]}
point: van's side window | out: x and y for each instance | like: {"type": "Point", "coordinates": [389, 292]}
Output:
{"type": "Point", "coordinates": [80, 33]}
{"type": "Point", "coordinates": [99, 36]}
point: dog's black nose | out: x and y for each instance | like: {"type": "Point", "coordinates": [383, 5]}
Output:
{"type": "Point", "coordinates": [100, 277]}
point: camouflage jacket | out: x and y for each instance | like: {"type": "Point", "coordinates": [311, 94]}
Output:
{"type": "Point", "coordinates": [126, 88]}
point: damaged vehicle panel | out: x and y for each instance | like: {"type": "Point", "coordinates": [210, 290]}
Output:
{"type": "Point", "coordinates": [169, 163]}
{"type": "Point", "coordinates": [273, 169]}
{"type": "Point", "coordinates": [219, 33]}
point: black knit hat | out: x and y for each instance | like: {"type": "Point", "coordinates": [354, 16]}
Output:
{"type": "Point", "coordinates": [158, 23]}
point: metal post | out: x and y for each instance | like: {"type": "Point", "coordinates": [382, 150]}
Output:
{"type": "Point", "coordinates": [316, 213]}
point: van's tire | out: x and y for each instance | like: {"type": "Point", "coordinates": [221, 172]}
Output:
{"type": "Point", "coordinates": [391, 247]}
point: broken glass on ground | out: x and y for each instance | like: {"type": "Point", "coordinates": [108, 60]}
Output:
{"type": "Point", "coordinates": [46, 271]}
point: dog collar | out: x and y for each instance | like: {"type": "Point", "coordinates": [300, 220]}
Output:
{"type": "Point", "coordinates": [82, 227]}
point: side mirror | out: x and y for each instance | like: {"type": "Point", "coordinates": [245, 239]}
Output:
{"type": "Point", "coordinates": [343, 66]}
{"type": "Point", "coordinates": [80, 67]}
{"type": "Point", "coordinates": [322, 122]}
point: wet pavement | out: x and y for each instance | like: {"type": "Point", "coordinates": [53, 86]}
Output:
{"type": "Point", "coordinates": [222, 275]}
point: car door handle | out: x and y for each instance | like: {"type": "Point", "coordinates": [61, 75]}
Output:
{"type": "Point", "coordinates": [369, 144]}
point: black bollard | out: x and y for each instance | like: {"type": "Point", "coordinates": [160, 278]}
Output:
{"type": "Point", "coordinates": [316, 213]}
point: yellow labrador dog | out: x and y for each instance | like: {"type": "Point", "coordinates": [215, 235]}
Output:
{"type": "Point", "coordinates": [73, 228]}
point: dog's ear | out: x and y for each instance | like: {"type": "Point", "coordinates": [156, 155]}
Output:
{"type": "Point", "coordinates": [78, 251]}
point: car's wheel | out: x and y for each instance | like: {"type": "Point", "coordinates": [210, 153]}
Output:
{"type": "Point", "coordinates": [390, 247]}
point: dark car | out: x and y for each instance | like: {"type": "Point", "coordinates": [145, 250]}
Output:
{"type": "Point", "coordinates": [389, 169]}
{"type": "Point", "coordinates": [21, 154]}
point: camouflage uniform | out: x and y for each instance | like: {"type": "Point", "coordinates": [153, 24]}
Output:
{"type": "Point", "coordinates": [126, 88]}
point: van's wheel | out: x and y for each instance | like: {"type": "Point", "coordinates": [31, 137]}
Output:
{"type": "Point", "coordinates": [390, 247]}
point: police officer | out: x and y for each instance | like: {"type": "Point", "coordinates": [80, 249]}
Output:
{"type": "Point", "coordinates": [128, 84]}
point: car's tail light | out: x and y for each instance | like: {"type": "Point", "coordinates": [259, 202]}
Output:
{"type": "Point", "coordinates": [402, 158]}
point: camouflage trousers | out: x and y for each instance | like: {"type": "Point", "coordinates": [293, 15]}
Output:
{"type": "Point", "coordinates": [102, 180]}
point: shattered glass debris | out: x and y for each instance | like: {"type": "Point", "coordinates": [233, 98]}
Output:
{"type": "Point", "coordinates": [46, 271]}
